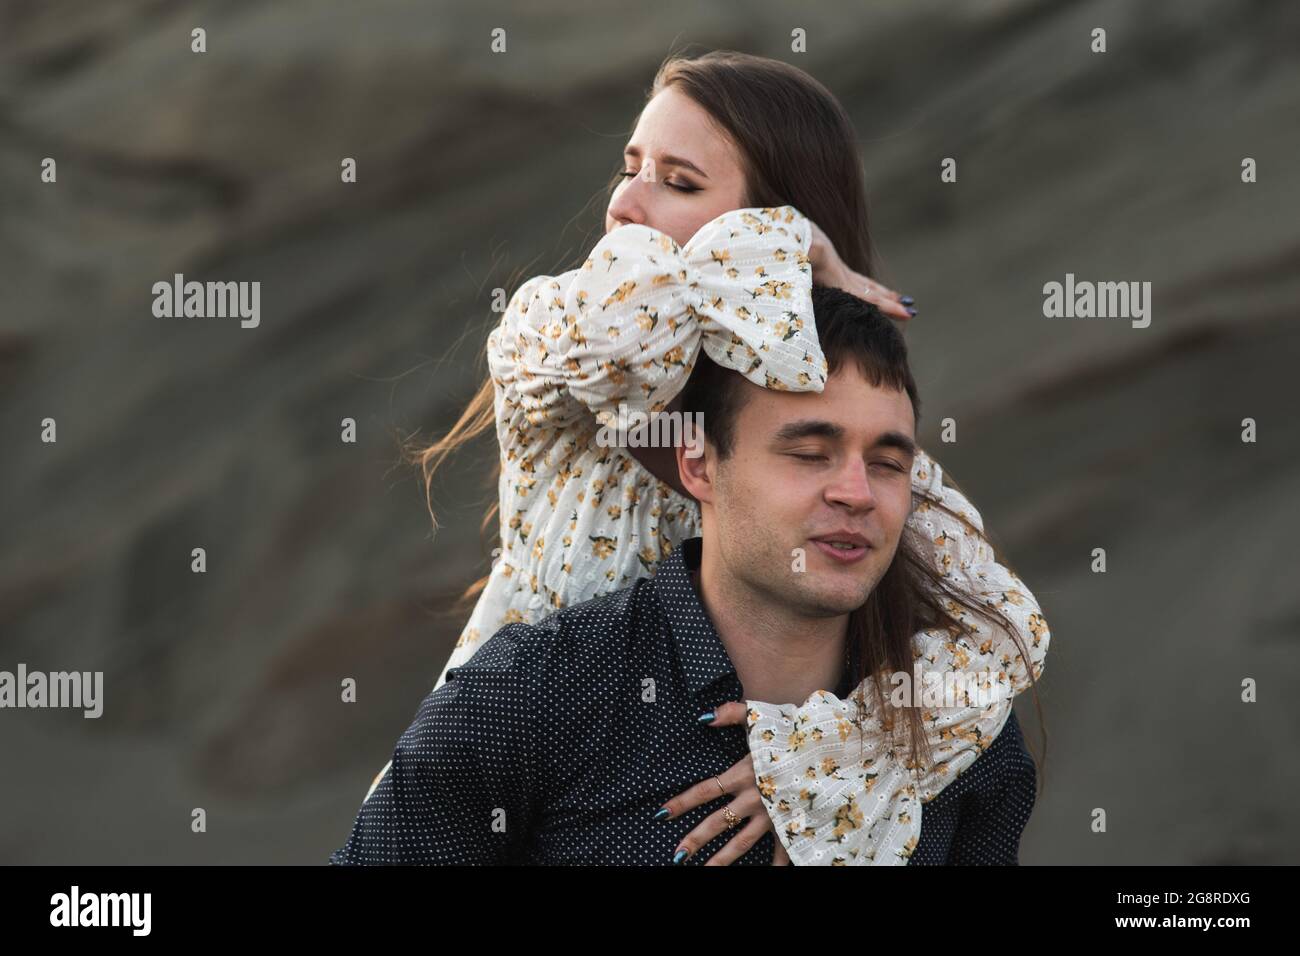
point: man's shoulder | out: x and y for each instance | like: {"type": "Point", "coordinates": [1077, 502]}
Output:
{"type": "Point", "coordinates": [573, 642]}
{"type": "Point", "coordinates": [1006, 767]}
{"type": "Point", "coordinates": [1012, 755]}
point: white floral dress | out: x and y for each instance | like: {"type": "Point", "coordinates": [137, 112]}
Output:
{"type": "Point", "coordinates": [579, 519]}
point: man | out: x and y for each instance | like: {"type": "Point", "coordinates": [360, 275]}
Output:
{"type": "Point", "coordinates": [559, 742]}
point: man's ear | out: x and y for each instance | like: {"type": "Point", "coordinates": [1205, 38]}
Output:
{"type": "Point", "coordinates": [695, 465]}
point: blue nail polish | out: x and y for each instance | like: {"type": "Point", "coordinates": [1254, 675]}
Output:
{"type": "Point", "coordinates": [662, 813]}
{"type": "Point", "coordinates": [678, 857]}
{"type": "Point", "coordinates": [911, 311]}
{"type": "Point", "coordinates": [707, 718]}
{"type": "Point", "coordinates": [907, 300]}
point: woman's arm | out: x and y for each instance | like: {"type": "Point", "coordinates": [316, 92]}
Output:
{"type": "Point", "coordinates": [626, 328]}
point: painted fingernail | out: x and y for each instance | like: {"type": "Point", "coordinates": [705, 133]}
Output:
{"type": "Point", "coordinates": [911, 311]}
{"type": "Point", "coordinates": [907, 300]}
{"type": "Point", "coordinates": [679, 856]}
{"type": "Point", "coordinates": [662, 813]}
{"type": "Point", "coordinates": [707, 718]}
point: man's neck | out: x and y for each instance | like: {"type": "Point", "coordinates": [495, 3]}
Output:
{"type": "Point", "coordinates": [780, 658]}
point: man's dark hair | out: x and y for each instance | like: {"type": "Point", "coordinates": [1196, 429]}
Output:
{"type": "Point", "coordinates": [849, 330]}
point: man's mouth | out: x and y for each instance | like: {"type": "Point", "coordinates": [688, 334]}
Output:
{"type": "Point", "coordinates": [845, 548]}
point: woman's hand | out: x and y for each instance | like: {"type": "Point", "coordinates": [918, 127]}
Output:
{"type": "Point", "coordinates": [746, 803]}
{"type": "Point", "coordinates": [829, 269]}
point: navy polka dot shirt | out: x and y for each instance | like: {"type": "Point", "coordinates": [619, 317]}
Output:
{"type": "Point", "coordinates": [557, 742]}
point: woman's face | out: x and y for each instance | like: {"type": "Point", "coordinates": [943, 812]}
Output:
{"type": "Point", "coordinates": [680, 171]}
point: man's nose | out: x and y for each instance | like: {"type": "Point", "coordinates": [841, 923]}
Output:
{"type": "Point", "coordinates": [851, 485]}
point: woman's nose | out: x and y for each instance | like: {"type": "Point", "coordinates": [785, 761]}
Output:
{"type": "Point", "coordinates": [629, 203]}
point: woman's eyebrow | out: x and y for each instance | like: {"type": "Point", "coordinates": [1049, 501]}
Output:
{"type": "Point", "coordinates": [667, 160]}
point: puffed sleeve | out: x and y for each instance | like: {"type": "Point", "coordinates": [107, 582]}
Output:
{"type": "Point", "coordinates": [627, 326]}
{"type": "Point", "coordinates": [949, 530]}
{"type": "Point", "coordinates": [837, 793]}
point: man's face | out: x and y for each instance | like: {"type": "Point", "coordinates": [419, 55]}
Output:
{"type": "Point", "coordinates": [807, 468]}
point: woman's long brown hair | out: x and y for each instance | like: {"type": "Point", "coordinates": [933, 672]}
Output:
{"type": "Point", "coordinates": [798, 148]}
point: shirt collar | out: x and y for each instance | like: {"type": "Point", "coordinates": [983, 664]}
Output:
{"type": "Point", "coordinates": [699, 647]}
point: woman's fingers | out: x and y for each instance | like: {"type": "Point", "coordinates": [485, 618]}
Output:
{"type": "Point", "coordinates": [730, 714]}
{"type": "Point", "coordinates": [829, 269]}
{"type": "Point", "coordinates": [746, 806]}
{"type": "Point", "coordinates": [882, 297]}
{"type": "Point", "coordinates": [743, 841]}
{"type": "Point", "coordinates": [734, 780]}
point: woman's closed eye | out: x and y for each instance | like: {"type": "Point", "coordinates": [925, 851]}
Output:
{"type": "Point", "coordinates": [629, 173]}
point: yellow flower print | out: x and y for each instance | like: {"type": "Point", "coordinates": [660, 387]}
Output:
{"type": "Point", "coordinates": [674, 356]}
{"type": "Point", "coordinates": [774, 288]}
{"type": "Point", "coordinates": [616, 370]}
{"type": "Point", "coordinates": [847, 817]}
{"type": "Point", "coordinates": [620, 294]}
{"type": "Point", "coordinates": [1038, 627]}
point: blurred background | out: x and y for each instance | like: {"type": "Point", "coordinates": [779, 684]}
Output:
{"type": "Point", "coordinates": [222, 690]}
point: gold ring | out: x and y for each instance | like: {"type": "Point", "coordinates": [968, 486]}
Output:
{"type": "Point", "coordinates": [730, 814]}
{"type": "Point", "coordinates": [721, 787]}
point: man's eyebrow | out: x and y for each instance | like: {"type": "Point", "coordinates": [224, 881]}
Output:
{"type": "Point", "coordinates": [818, 428]}
{"type": "Point", "coordinates": [897, 440]}
{"type": "Point", "coordinates": [808, 428]}
{"type": "Point", "coordinates": [666, 160]}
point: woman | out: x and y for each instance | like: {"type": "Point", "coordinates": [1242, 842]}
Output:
{"type": "Point", "coordinates": [741, 186]}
